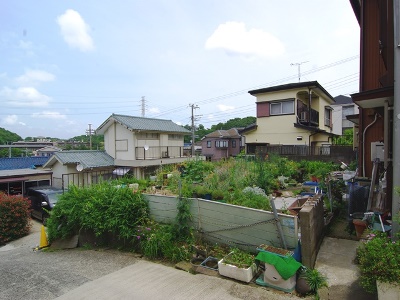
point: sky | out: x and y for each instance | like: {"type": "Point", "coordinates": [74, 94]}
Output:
{"type": "Point", "coordinates": [67, 64]}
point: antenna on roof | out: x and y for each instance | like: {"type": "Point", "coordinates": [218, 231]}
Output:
{"type": "Point", "coordinates": [298, 66]}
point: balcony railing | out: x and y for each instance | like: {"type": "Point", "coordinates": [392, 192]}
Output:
{"type": "Point", "coordinates": [158, 152]}
{"type": "Point", "coordinates": [304, 119]}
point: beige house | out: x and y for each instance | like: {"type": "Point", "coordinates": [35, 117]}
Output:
{"type": "Point", "coordinates": [296, 114]}
{"type": "Point", "coordinates": [142, 144]}
{"type": "Point", "coordinates": [79, 167]}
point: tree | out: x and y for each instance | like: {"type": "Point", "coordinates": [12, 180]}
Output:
{"type": "Point", "coordinates": [7, 137]}
{"type": "Point", "coordinates": [345, 139]}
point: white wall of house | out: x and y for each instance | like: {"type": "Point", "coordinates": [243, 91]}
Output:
{"type": "Point", "coordinates": [109, 140]}
{"type": "Point", "coordinates": [339, 117]}
{"type": "Point", "coordinates": [277, 130]}
{"type": "Point", "coordinates": [280, 129]}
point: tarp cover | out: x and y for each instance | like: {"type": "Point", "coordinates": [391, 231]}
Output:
{"type": "Point", "coordinates": [285, 266]}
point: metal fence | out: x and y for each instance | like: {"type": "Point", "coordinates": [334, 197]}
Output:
{"type": "Point", "coordinates": [299, 152]}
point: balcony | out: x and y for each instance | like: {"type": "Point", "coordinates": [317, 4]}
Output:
{"type": "Point", "coordinates": [303, 117]}
{"type": "Point", "coordinates": [158, 152]}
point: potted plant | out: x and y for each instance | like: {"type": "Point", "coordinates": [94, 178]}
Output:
{"type": "Point", "coordinates": [379, 263]}
{"type": "Point", "coordinates": [310, 281]}
{"type": "Point", "coordinates": [238, 265]}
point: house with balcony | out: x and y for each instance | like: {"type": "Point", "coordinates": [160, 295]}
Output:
{"type": "Point", "coordinates": [296, 117]}
{"type": "Point", "coordinates": [221, 144]}
{"type": "Point", "coordinates": [143, 144]}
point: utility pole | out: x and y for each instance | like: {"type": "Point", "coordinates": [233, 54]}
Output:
{"type": "Point", "coordinates": [193, 106]}
{"type": "Point", "coordinates": [298, 67]}
{"type": "Point", "coordinates": [143, 106]}
{"type": "Point", "coordinates": [89, 132]}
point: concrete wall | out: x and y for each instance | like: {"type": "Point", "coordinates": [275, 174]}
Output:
{"type": "Point", "coordinates": [229, 224]}
{"type": "Point", "coordinates": [312, 229]}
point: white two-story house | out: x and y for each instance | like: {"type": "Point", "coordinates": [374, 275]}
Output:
{"type": "Point", "coordinates": [293, 115]}
{"type": "Point", "coordinates": [142, 144]}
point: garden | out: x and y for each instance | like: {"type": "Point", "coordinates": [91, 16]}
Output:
{"type": "Point", "coordinates": [117, 213]}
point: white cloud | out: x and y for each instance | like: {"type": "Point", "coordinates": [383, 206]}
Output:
{"type": "Point", "coordinates": [223, 107]}
{"type": "Point", "coordinates": [154, 110]}
{"type": "Point", "coordinates": [234, 38]}
{"type": "Point", "coordinates": [49, 115]}
{"type": "Point", "coordinates": [10, 120]}
{"type": "Point", "coordinates": [75, 31]}
{"type": "Point", "coordinates": [22, 123]}
{"type": "Point", "coordinates": [34, 76]}
{"type": "Point", "coordinates": [24, 96]}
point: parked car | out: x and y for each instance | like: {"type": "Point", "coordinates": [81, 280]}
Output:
{"type": "Point", "coordinates": [42, 200]}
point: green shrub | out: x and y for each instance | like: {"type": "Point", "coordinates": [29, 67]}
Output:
{"type": "Point", "coordinates": [101, 208]}
{"type": "Point", "coordinates": [160, 241]}
{"type": "Point", "coordinates": [379, 259]}
{"type": "Point", "coordinates": [14, 216]}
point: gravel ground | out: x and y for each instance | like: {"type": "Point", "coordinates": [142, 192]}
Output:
{"type": "Point", "coordinates": [47, 274]}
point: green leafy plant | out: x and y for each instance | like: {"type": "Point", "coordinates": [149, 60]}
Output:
{"type": "Point", "coordinates": [253, 197]}
{"type": "Point", "coordinates": [379, 259]}
{"type": "Point", "coordinates": [239, 258]}
{"type": "Point", "coordinates": [159, 241]}
{"type": "Point", "coordinates": [14, 216]}
{"type": "Point", "coordinates": [182, 226]}
{"type": "Point", "coordinates": [314, 279]}
{"type": "Point", "coordinates": [101, 208]}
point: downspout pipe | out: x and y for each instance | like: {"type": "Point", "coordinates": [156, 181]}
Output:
{"type": "Point", "coordinates": [363, 141]}
{"type": "Point", "coordinates": [396, 119]}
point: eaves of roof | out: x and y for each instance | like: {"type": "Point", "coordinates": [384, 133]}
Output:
{"type": "Point", "coordinates": [88, 159]}
{"type": "Point", "coordinates": [142, 124]}
{"type": "Point", "coordinates": [291, 86]}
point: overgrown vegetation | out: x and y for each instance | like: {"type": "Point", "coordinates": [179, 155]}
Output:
{"type": "Point", "coordinates": [14, 216]}
{"type": "Point", "coordinates": [240, 181]}
{"type": "Point", "coordinates": [101, 208]}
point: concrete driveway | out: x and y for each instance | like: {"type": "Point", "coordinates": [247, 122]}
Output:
{"type": "Point", "coordinates": [107, 274]}
{"type": "Point", "coordinates": [29, 274]}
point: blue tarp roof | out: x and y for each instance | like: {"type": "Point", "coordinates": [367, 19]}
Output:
{"type": "Point", "coordinates": [15, 163]}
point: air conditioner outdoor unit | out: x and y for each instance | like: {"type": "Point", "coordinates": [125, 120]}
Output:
{"type": "Point", "coordinates": [303, 116]}
{"type": "Point", "coordinates": [165, 154]}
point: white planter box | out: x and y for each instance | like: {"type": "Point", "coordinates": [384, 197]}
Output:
{"type": "Point", "coordinates": [234, 272]}
{"type": "Point", "coordinates": [388, 291]}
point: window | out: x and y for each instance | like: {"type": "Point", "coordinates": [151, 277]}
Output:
{"type": "Point", "coordinates": [282, 108]}
{"type": "Point", "coordinates": [328, 113]}
{"type": "Point", "coordinates": [147, 136]}
{"type": "Point", "coordinates": [221, 144]}
{"type": "Point", "coordinates": [208, 144]}
{"type": "Point", "coordinates": [176, 137]}
{"type": "Point", "coordinates": [233, 143]}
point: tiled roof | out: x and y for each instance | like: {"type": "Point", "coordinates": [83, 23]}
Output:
{"type": "Point", "coordinates": [343, 100]}
{"type": "Point", "coordinates": [231, 133]}
{"type": "Point", "coordinates": [14, 163]}
{"type": "Point", "coordinates": [87, 158]}
{"type": "Point", "coordinates": [145, 124]}
{"type": "Point", "coordinates": [290, 86]}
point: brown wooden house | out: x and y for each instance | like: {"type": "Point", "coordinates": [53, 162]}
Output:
{"type": "Point", "coordinates": [377, 98]}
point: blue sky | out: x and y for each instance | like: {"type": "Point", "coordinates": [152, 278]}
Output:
{"type": "Point", "coordinates": [67, 64]}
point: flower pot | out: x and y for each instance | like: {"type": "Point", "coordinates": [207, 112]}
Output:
{"type": "Point", "coordinates": [302, 286]}
{"type": "Point", "coordinates": [231, 271]}
{"type": "Point", "coordinates": [388, 291]}
{"type": "Point", "coordinates": [360, 226]}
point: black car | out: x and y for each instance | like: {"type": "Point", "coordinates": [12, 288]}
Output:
{"type": "Point", "coordinates": [42, 200]}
